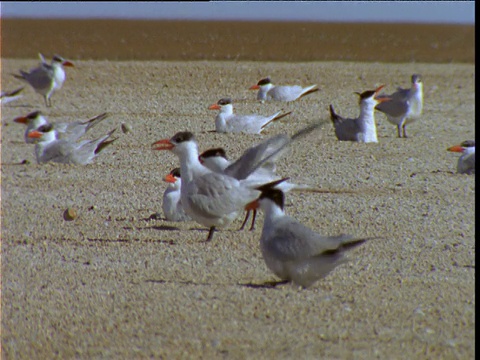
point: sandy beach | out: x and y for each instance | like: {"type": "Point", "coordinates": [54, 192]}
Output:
{"type": "Point", "coordinates": [119, 283]}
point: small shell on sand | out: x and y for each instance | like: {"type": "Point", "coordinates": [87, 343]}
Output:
{"type": "Point", "coordinates": [70, 214]}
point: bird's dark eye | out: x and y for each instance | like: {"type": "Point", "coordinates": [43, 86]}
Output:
{"type": "Point", "coordinates": [468, 143]}
{"type": "Point", "coordinates": [45, 128]}
{"type": "Point", "coordinates": [214, 152]}
{"type": "Point", "coordinates": [367, 94]}
{"type": "Point", "coordinates": [416, 78]}
{"type": "Point", "coordinates": [175, 172]}
{"type": "Point", "coordinates": [33, 115]}
{"type": "Point", "coordinates": [221, 152]}
{"type": "Point", "coordinates": [264, 81]}
{"type": "Point", "coordinates": [275, 195]}
{"type": "Point", "coordinates": [224, 101]}
{"type": "Point", "coordinates": [182, 136]}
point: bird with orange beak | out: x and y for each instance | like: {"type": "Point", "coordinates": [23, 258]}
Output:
{"type": "Point", "coordinates": [268, 91]}
{"type": "Point", "coordinates": [466, 162]}
{"type": "Point", "coordinates": [46, 78]}
{"type": "Point", "coordinates": [172, 204]}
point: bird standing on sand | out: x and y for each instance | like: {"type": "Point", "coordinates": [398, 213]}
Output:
{"type": "Point", "coordinates": [405, 105]}
{"type": "Point", "coordinates": [293, 251]}
{"type": "Point", "coordinates": [46, 78]}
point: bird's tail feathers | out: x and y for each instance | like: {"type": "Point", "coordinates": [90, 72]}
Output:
{"type": "Point", "coordinates": [95, 120]}
{"type": "Point", "coordinates": [278, 117]}
{"type": "Point", "coordinates": [333, 115]}
{"type": "Point", "coordinates": [310, 90]}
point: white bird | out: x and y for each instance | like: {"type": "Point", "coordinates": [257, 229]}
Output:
{"type": "Point", "coordinates": [362, 128]}
{"type": "Point", "coordinates": [46, 78]}
{"type": "Point", "coordinates": [405, 105]}
{"type": "Point", "coordinates": [292, 251]}
{"type": "Point", "coordinates": [211, 198]}
{"type": "Point", "coordinates": [172, 205]}
{"type": "Point", "coordinates": [466, 162]}
{"type": "Point", "coordinates": [49, 148]}
{"type": "Point", "coordinates": [227, 121]}
{"type": "Point", "coordinates": [70, 131]}
{"type": "Point", "coordinates": [216, 160]}
{"type": "Point", "coordinates": [9, 96]}
{"type": "Point", "coordinates": [268, 91]}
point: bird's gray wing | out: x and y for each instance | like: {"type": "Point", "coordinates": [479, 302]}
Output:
{"type": "Point", "coordinates": [394, 107]}
{"type": "Point", "coordinates": [468, 165]}
{"type": "Point", "coordinates": [266, 157]}
{"type": "Point", "coordinates": [214, 195]}
{"type": "Point", "coordinates": [347, 129]}
{"type": "Point", "coordinates": [242, 167]}
{"type": "Point", "coordinates": [40, 77]}
{"type": "Point", "coordinates": [59, 151]}
{"type": "Point", "coordinates": [291, 241]}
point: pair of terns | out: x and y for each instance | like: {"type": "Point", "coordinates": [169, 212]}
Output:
{"type": "Point", "coordinates": [57, 142]}
{"type": "Point", "coordinates": [215, 198]}
{"type": "Point", "coordinates": [227, 121]}
{"type": "Point", "coordinates": [401, 108]}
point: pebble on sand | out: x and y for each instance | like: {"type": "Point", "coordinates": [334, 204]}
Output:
{"type": "Point", "coordinates": [70, 214]}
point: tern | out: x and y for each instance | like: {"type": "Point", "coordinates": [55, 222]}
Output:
{"type": "Point", "coordinates": [46, 78]}
{"type": "Point", "coordinates": [268, 91]}
{"type": "Point", "coordinates": [291, 250]}
{"type": "Point", "coordinates": [405, 105]}
{"type": "Point", "coordinates": [210, 198]}
{"type": "Point", "coordinates": [227, 121]}
{"type": "Point", "coordinates": [466, 162]}
{"type": "Point", "coordinates": [362, 128]}
{"type": "Point", "coordinates": [9, 96]}
{"type": "Point", "coordinates": [49, 148]}
{"type": "Point", "coordinates": [70, 131]}
{"type": "Point", "coordinates": [172, 205]}
{"type": "Point", "coordinates": [216, 160]}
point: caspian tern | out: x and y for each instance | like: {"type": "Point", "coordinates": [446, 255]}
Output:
{"type": "Point", "coordinates": [46, 78]}
{"type": "Point", "coordinates": [227, 121]}
{"type": "Point", "coordinates": [9, 96]}
{"type": "Point", "coordinates": [49, 148]}
{"type": "Point", "coordinates": [405, 105]}
{"type": "Point", "coordinates": [172, 205]}
{"type": "Point", "coordinates": [292, 251]}
{"type": "Point", "coordinates": [466, 162]}
{"type": "Point", "coordinates": [216, 160]}
{"type": "Point", "coordinates": [211, 198]}
{"type": "Point", "coordinates": [67, 131]}
{"type": "Point", "coordinates": [268, 91]}
{"type": "Point", "coordinates": [362, 128]}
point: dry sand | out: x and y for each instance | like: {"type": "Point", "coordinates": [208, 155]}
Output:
{"type": "Point", "coordinates": [116, 284]}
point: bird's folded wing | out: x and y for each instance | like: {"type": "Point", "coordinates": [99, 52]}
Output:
{"type": "Point", "coordinates": [214, 195]}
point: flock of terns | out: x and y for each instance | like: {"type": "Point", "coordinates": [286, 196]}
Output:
{"type": "Point", "coordinates": [213, 191]}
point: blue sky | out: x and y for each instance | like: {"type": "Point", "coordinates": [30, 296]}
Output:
{"type": "Point", "coordinates": [461, 12]}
